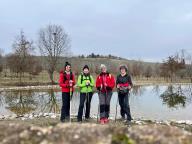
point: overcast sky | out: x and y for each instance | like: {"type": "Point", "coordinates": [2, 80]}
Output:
{"type": "Point", "coordinates": [134, 29]}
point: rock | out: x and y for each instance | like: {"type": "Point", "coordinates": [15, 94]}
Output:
{"type": "Point", "coordinates": [76, 136]}
{"type": "Point", "coordinates": [5, 116]}
{"type": "Point", "coordinates": [36, 116]}
{"type": "Point", "coordinates": [152, 134]}
{"type": "Point", "coordinates": [1, 117]}
{"type": "Point", "coordinates": [92, 134]}
{"type": "Point", "coordinates": [26, 115]}
{"type": "Point", "coordinates": [31, 116]}
{"type": "Point", "coordinates": [40, 114]}
{"type": "Point", "coordinates": [53, 116]}
{"type": "Point", "coordinates": [139, 122]}
{"type": "Point", "coordinates": [25, 134]}
{"type": "Point", "coordinates": [23, 118]}
{"type": "Point", "coordinates": [184, 122]}
{"type": "Point", "coordinates": [167, 123]}
{"type": "Point", "coordinates": [45, 142]}
{"type": "Point", "coordinates": [45, 114]}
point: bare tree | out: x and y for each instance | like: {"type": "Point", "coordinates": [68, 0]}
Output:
{"type": "Point", "coordinates": [148, 72]}
{"type": "Point", "coordinates": [157, 70]}
{"type": "Point", "coordinates": [137, 68]}
{"type": "Point", "coordinates": [11, 62]}
{"type": "Point", "coordinates": [53, 42]}
{"type": "Point", "coordinates": [189, 66]}
{"type": "Point", "coordinates": [22, 53]}
{"type": "Point", "coordinates": [172, 65]}
{"type": "Point", "coordinates": [1, 63]}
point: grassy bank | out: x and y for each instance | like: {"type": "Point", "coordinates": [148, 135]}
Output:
{"type": "Point", "coordinates": [43, 79]}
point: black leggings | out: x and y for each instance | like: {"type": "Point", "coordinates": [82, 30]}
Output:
{"type": "Point", "coordinates": [124, 104]}
{"type": "Point", "coordinates": [65, 106]}
{"type": "Point", "coordinates": [84, 97]}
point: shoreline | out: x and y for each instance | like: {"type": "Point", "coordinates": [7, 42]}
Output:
{"type": "Point", "coordinates": [56, 87]}
{"type": "Point", "coordinates": [56, 116]}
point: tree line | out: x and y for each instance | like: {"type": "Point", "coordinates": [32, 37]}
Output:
{"type": "Point", "coordinates": [53, 44]}
{"type": "Point", "coordinates": [93, 55]}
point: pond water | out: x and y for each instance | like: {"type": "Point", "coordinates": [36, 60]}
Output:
{"type": "Point", "coordinates": [158, 102]}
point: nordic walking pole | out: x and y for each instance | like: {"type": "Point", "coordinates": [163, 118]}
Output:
{"type": "Point", "coordinates": [116, 108]}
{"type": "Point", "coordinates": [98, 108]}
{"type": "Point", "coordinates": [87, 99]}
{"type": "Point", "coordinates": [85, 102]}
{"type": "Point", "coordinates": [89, 105]}
{"type": "Point", "coordinates": [70, 94]}
{"type": "Point", "coordinates": [106, 94]}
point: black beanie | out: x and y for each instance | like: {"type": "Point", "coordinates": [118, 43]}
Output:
{"type": "Point", "coordinates": [86, 67]}
{"type": "Point", "coordinates": [67, 64]}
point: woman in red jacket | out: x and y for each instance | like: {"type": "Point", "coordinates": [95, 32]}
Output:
{"type": "Point", "coordinates": [66, 82]}
{"type": "Point", "coordinates": [105, 83]}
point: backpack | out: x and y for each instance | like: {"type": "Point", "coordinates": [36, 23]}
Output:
{"type": "Point", "coordinates": [82, 78]}
{"type": "Point", "coordinates": [65, 78]}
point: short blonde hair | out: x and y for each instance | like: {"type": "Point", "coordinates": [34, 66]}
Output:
{"type": "Point", "coordinates": [103, 66]}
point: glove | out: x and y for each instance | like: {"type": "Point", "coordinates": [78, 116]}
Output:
{"type": "Point", "coordinates": [108, 88]}
{"type": "Point", "coordinates": [87, 83]}
{"type": "Point", "coordinates": [98, 88]}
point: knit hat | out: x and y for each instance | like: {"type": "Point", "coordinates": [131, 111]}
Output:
{"type": "Point", "coordinates": [67, 64]}
{"type": "Point", "coordinates": [86, 67]}
{"type": "Point", "coordinates": [123, 67]}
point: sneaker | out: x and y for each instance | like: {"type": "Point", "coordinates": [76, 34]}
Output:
{"type": "Point", "coordinates": [106, 120]}
{"type": "Point", "coordinates": [87, 119]}
{"type": "Point", "coordinates": [62, 120]}
{"type": "Point", "coordinates": [128, 123]}
{"type": "Point", "coordinates": [102, 121]}
{"type": "Point", "coordinates": [79, 120]}
{"type": "Point", "coordinates": [123, 118]}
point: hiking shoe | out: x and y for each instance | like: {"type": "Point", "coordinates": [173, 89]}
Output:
{"type": "Point", "coordinates": [87, 119]}
{"type": "Point", "coordinates": [79, 120]}
{"type": "Point", "coordinates": [123, 118]}
{"type": "Point", "coordinates": [106, 120]}
{"type": "Point", "coordinates": [128, 123]}
{"type": "Point", "coordinates": [63, 120]}
{"type": "Point", "coordinates": [102, 121]}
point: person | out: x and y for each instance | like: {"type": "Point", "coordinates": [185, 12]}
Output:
{"type": "Point", "coordinates": [86, 84]}
{"type": "Point", "coordinates": [124, 84]}
{"type": "Point", "coordinates": [66, 82]}
{"type": "Point", "coordinates": [105, 83]}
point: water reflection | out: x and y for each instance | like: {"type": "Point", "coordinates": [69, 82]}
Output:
{"type": "Point", "coordinates": [138, 90]}
{"type": "Point", "coordinates": [174, 97]}
{"type": "Point", "coordinates": [145, 101]}
{"type": "Point", "coordinates": [20, 102]}
{"type": "Point", "coordinates": [52, 104]}
{"type": "Point", "coordinates": [156, 89]}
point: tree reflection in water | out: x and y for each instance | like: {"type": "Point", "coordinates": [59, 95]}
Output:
{"type": "Point", "coordinates": [138, 90]}
{"type": "Point", "coordinates": [1, 100]}
{"type": "Point", "coordinates": [20, 102]}
{"type": "Point", "coordinates": [51, 105]}
{"type": "Point", "coordinates": [174, 97]}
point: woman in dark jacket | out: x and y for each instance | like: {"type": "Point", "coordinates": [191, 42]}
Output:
{"type": "Point", "coordinates": [124, 84]}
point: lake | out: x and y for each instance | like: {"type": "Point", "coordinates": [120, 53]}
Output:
{"type": "Point", "coordinates": [155, 102]}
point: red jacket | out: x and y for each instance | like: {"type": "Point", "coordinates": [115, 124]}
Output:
{"type": "Point", "coordinates": [64, 81]}
{"type": "Point", "coordinates": [105, 78]}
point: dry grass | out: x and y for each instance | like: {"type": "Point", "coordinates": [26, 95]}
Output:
{"type": "Point", "coordinates": [43, 79]}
